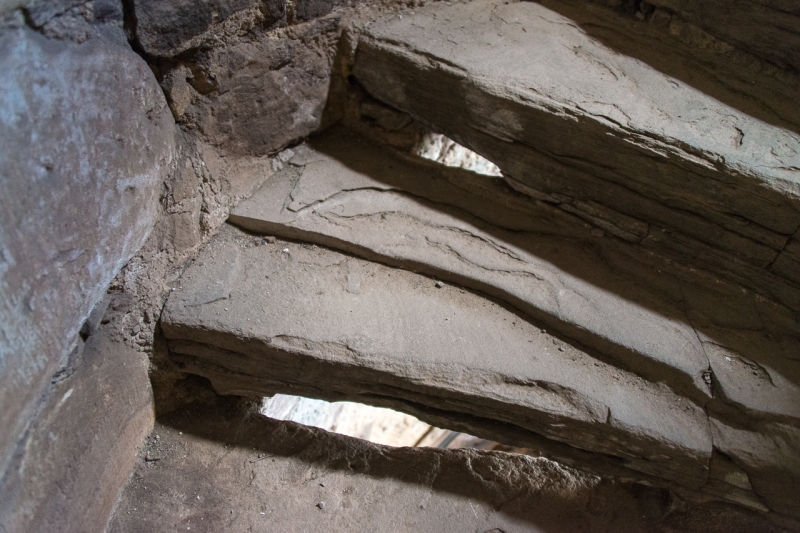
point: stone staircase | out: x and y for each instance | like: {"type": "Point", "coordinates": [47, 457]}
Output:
{"type": "Point", "coordinates": [646, 158]}
{"type": "Point", "coordinates": [624, 300]}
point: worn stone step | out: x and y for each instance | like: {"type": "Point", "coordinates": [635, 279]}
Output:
{"type": "Point", "coordinates": [666, 324]}
{"type": "Point", "coordinates": [298, 319]}
{"type": "Point", "coordinates": [604, 135]}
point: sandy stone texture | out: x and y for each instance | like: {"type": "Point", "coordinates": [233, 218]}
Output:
{"type": "Point", "coordinates": [600, 134]}
{"type": "Point", "coordinates": [217, 468]}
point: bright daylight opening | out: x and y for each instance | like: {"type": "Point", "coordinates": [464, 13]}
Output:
{"type": "Point", "coordinates": [437, 147]}
{"type": "Point", "coordinates": [374, 424]}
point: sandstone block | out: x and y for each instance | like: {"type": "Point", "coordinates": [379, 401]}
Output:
{"type": "Point", "coordinates": [261, 319]}
{"type": "Point", "coordinates": [566, 116]}
{"type": "Point", "coordinates": [669, 325]}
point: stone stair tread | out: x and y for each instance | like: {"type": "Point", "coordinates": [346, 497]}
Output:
{"type": "Point", "coordinates": [349, 194]}
{"type": "Point", "coordinates": [578, 122]}
{"type": "Point", "coordinates": [309, 320]}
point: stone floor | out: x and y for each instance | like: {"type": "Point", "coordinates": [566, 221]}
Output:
{"type": "Point", "coordinates": [218, 465]}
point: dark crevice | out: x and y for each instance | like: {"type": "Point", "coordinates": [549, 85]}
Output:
{"type": "Point", "coordinates": [130, 25]}
{"type": "Point", "coordinates": [27, 17]}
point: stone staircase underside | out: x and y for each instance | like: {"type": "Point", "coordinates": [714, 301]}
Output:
{"type": "Point", "coordinates": [594, 350]}
{"type": "Point", "coordinates": [573, 123]}
{"type": "Point", "coordinates": [624, 299]}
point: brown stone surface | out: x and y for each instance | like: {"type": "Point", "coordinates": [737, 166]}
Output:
{"type": "Point", "coordinates": [598, 133]}
{"type": "Point", "coordinates": [768, 453]}
{"type": "Point", "coordinates": [769, 28]}
{"type": "Point", "coordinates": [345, 328]}
{"type": "Point", "coordinates": [257, 95]}
{"type": "Point", "coordinates": [166, 27]}
{"type": "Point", "coordinates": [665, 323]}
{"type": "Point", "coordinates": [68, 470]}
{"type": "Point", "coordinates": [215, 468]}
{"type": "Point", "coordinates": [87, 143]}
{"type": "Point", "coordinates": [685, 53]}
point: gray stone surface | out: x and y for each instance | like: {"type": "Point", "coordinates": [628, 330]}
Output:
{"type": "Point", "coordinates": [87, 143]}
{"type": "Point", "coordinates": [687, 54]}
{"type": "Point", "coordinates": [273, 476]}
{"type": "Point", "coordinates": [71, 20]}
{"type": "Point", "coordinates": [257, 319]}
{"type": "Point", "coordinates": [666, 324]}
{"type": "Point", "coordinates": [768, 28]}
{"type": "Point", "coordinates": [768, 453]}
{"type": "Point", "coordinates": [596, 132]}
{"type": "Point", "coordinates": [255, 96]}
{"type": "Point", "coordinates": [167, 28]}
{"type": "Point", "coordinates": [68, 471]}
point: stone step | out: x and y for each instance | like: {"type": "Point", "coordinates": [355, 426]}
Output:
{"type": "Point", "coordinates": [305, 320]}
{"type": "Point", "coordinates": [667, 324]}
{"type": "Point", "coordinates": [578, 125]}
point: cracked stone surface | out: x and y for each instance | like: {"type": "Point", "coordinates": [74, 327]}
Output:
{"type": "Point", "coordinates": [261, 319]}
{"type": "Point", "coordinates": [669, 326]}
{"type": "Point", "coordinates": [281, 476]}
{"type": "Point", "coordinates": [634, 310]}
{"type": "Point", "coordinates": [600, 134]}
{"type": "Point", "coordinates": [472, 230]}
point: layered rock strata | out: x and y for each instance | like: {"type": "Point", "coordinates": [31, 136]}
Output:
{"type": "Point", "coordinates": [348, 328]}
{"type": "Point", "coordinates": [607, 137]}
{"type": "Point", "coordinates": [711, 363]}
{"type": "Point", "coordinates": [666, 323]}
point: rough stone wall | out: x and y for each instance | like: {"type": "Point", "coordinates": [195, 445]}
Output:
{"type": "Point", "coordinates": [95, 175]}
{"type": "Point", "coordinates": [87, 143]}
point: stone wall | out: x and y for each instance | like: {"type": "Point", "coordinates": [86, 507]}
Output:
{"type": "Point", "coordinates": [130, 129]}
{"type": "Point", "coordinates": [96, 177]}
{"type": "Point", "coordinates": [88, 142]}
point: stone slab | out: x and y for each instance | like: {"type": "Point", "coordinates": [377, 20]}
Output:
{"type": "Point", "coordinates": [768, 453]}
{"type": "Point", "coordinates": [168, 28]}
{"type": "Point", "coordinates": [219, 469]}
{"type": "Point", "coordinates": [262, 319]}
{"type": "Point", "coordinates": [256, 96]}
{"type": "Point", "coordinates": [563, 114]}
{"type": "Point", "coordinates": [87, 143]}
{"type": "Point", "coordinates": [472, 230]}
{"type": "Point", "coordinates": [68, 471]}
{"type": "Point", "coordinates": [770, 29]}
{"type": "Point", "coordinates": [672, 46]}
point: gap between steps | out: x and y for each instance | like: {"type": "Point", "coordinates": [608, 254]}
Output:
{"type": "Point", "coordinates": [378, 425]}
